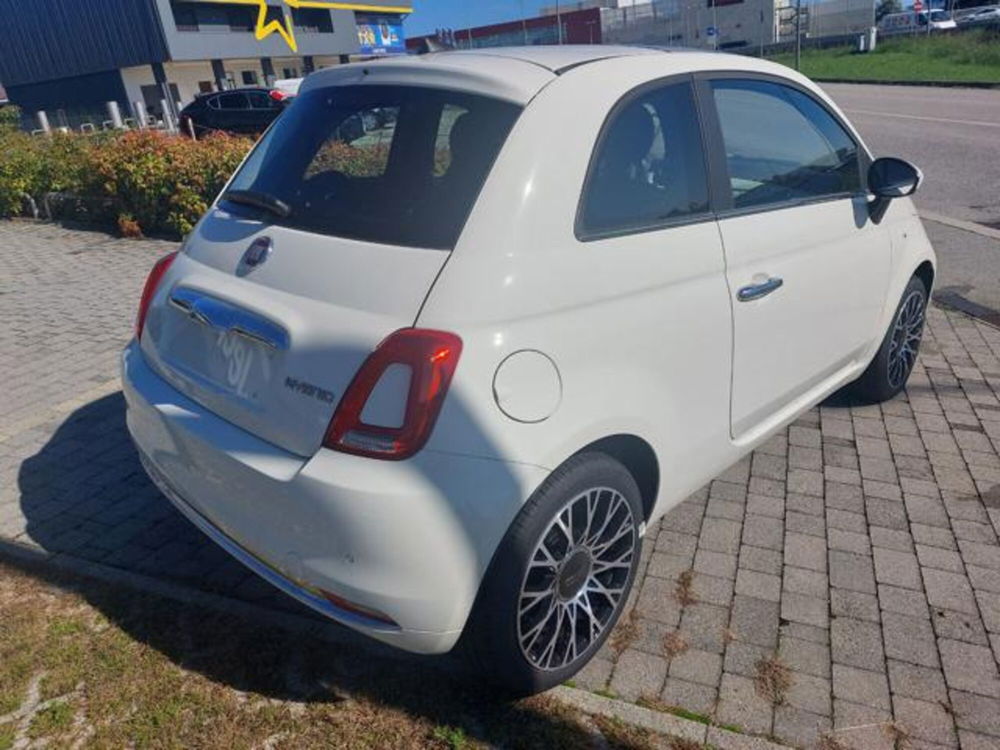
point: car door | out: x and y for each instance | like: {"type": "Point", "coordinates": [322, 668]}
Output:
{"type": "Point", "coordinates": [234, 113]}
{"type": "Point", "coordinates": [263, 110]}
{"type": "Point", "coordinates": [807, 269]}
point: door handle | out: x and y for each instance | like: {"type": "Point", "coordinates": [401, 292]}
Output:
{"type": "Point", "coordinates": [756, 291]}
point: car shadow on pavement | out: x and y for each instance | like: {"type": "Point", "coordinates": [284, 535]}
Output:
{"type": "Point", "coordinates": [85, 496]}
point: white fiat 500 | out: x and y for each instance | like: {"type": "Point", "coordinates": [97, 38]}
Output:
{"type": "Point", "coordinates": [463, 325]}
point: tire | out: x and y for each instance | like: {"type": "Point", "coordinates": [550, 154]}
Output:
{"type": "Point", "coordinates": [890, 369]}
{"type": "Point", "coordinates": [541, 580]}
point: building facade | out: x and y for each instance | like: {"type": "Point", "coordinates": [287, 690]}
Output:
{"type": "Point", "coordinates": [70, 57]}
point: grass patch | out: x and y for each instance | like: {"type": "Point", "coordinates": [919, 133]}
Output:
{"type": "Point", "coordinates": [674, 644]}
{"type": "Point", "coordinates": [968, 57]}
{"type": "Point", "coordinates": [684, 591]}
{"type": "Point", "coordinates": [622, 736]}
{"type": "Point", "coordinates": [625, 632]}
{"type": "Point", "coordinates": [114, 668]}
{"type": "Point", "coordinates": [772, 680]}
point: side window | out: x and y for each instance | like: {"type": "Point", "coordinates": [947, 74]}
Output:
{"type": "Point", "coordinates": [781, 145]}
{"type": "Point", "coordinates": [450, 114]}
{"type": "Point", "coordinates": [648, 168]}
{"type": "Point", "coordinates": [260, 100]}
{"type": "Point", "coordinates": [233, 101]}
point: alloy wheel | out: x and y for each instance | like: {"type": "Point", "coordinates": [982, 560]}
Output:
{"type": "Point", "coordinates": [906, 334]}
{"type": "Point", "coordinates": [577, 577]}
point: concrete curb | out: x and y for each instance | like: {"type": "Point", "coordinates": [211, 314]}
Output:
{"type": "Point", "coordinates": [589, 703]}
{"type": "Point", "coordinates": [933, 84]}
{"type": "Point", "coordinates": [967, 226]}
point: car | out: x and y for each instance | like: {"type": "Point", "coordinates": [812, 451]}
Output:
{"type": "Point", "coordinates": [913, 21]}
{"type": "Point", "coordinates": [246, 111]}
{"type": "Point", "coordinates": [988, 15]}
{"type": "Point", "coordinates": [463, 326]}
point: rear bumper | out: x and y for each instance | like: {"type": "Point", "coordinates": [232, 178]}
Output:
{"type": "Point", "coordinates": [409, 539]}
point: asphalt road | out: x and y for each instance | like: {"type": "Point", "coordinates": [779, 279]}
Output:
{"type": "Point", "coordinates": [953, 135]}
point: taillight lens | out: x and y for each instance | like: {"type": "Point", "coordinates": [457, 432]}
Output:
{"type": "Point", "coordinates": [277, 95]}
{"type": "Point", "coordinates": [431, 357]}
{"type": "Point", "coordinates": [152, 282]}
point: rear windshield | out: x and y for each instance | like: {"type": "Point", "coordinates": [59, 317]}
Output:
{"type": "Point", "coordinates": [400, 165]}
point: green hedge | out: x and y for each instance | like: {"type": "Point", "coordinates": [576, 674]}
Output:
{"type": "Point", "coordinates": [145, 181]}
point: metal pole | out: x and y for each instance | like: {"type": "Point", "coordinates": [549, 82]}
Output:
{"type": "Point", "coordinates": [559, 21]}
{"type": "Point", "coordinates": [524, 25]}
{"type": "Point", "coordinates": [798, 34]}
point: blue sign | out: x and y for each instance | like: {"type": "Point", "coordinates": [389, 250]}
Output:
{"type": "Point", "coordinates": [711, 31]}
{"type": "Point", "coordinates": [381, 38]}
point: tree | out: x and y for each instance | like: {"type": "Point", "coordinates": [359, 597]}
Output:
{"type": "Point", "coordinates": [885, 7]}
{"type": "Point", "coordinates": [10, 117]}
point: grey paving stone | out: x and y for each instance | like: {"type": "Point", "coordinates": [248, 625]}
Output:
{"type": "Point", "coordinates": [637, 674]}
{"type": "Point", "coordinates": [903, 601]}
{"type": "Point", "coordinates": [984, 579]}
{"type": "Point", "coordinates": [969, 668]}
{"type": "Point", "coordinates": [799, 727]}
{"type": "Point", "coordinates": [853, 572]}
{"type": "Point", "coordinates": [888, 538]}
{"type": "Point", "coordinates": [755, 621]}
{"type": "Point", "coordinates": [713, 563]}
{"type": "Point", "coordinates": [890, 514]}
{"type": "Point", "coordinates": [940, 558]}
{"type": "Point", "coordinates": [809, 610]}
{"type": "Point", "coordinates": [989, 606]}
{"type": "Point", "coordinates": [805, 482]}
{"type": "Point", "coordinates": [914, 681]}
{"type": "Point", "coordinates": [976, 712]}
{"type": "Point", "coordinates": [695, 665]}
{"type": "Point", "coordinates": [805, 656]}
{"type": "Point", "coordinates": [925, 720]}
{"type": "Point", "coordinates": [983, 555]}
{"type": "Point", "coordinates": [857, 643]}
{"type": "Point", "coordinates": [854, 604]}
{"type": "Point", "coordinates": [897, 568]}
{"type": "Point", "coordinates": [760, 585]}
{"type": "Point", "coordinates": [763, 531]}
{"type": "Point", "coordinates": [846, 497]}
{"type": "Point", "coordinates": [760, 559]}
{"type": "Point", "coordinates": [741, 658]}
{"type": "Point", "coordinates": [910, 639]}
{"type": "Point", "coordinates": [595, 675]}
{"type": "Point", "coordinates": [720, 535]}
{"type": "Point", "coordinates": [667, 566]}
{"type": "Point", "coordinates": [804, 581]}
{"type": "Point", "coordinates": [689, 695]}
{"type": "Point", "coordinates": [861, 686]}
{"type": "Point", "coordinates": [740, 704]}
{"type": "Point", "coordinates": [934, 536]}
{"type": "Point", "coordinates": [676, 543]}
{"type": "Point", "coordinates": [704, 626]}
{"type": "Point", "coordinates": [849, 541]}
{"type": "Point", "coordinates": [657, 601]}
{"type": "Point", "coordinates": [805, 551]}
{"type": "Point", "coordinates": [959, 626]}
{"type": "Point", "coordinates": [949, 590]}
{"type": "Point", "coordinates": [810, 693]}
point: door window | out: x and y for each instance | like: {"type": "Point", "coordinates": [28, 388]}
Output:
{"type": "Point", "coordinates": [232, 101]}
{"type": "Point", "coordinates": [260, 100]}
{"type": "Point", "coordinates": [648, 169]}
{"type": "Point", "coordinates": [781, 145]}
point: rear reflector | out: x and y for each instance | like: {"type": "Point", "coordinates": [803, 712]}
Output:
{"type": "Point", "coordinates": [431, 357]}
{"type": "Point", "coordinates": [152, 282]}
{"type": "Point", "coordinates": [349, 606]}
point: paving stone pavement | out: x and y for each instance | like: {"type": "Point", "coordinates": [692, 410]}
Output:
{"type": "Point", "coordinates": [855, 554]}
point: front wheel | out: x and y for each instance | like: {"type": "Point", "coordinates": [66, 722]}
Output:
{"type": "Point", "coordinates": [890, 369]}
{"type": "Point", "coordinates": [560, 579]}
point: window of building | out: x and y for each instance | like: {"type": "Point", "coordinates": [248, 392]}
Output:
{"type": "Point", "coordinates": [290, 72]}
{"type": "Point", "coordinates": [720, 3]}
{"type": "Point", "coordinates": [312, 20]}
{"type": "Point", "coordinates": [185, 16]}
{"type": "Point", "coordinates": [249, 77]}
{"type": "Point", "coordinates": [781, 145]}
{"type": "Point", "coordinates": [274, 13]}
{"type": "Point", "coordinates": [241, 18]}
{"type": "Point", "coordinates": [205, 87]}
{"type": "Point", "coordinates": [648, 168]}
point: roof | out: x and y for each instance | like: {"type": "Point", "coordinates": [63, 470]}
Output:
{"type": "Point", "coordinates": [517, 74]}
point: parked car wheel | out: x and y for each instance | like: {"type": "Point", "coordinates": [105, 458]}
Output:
{"type": "Point", "coordinates": [560, 578]}
{"type": "Point", "coordinates": [890, 369]}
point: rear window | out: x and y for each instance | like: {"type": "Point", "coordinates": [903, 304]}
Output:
{"type": "Point", "coordinates": [399, 165]}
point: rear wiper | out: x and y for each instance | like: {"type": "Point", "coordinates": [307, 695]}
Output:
{"type": "Point", "coordinates": [259, 200]}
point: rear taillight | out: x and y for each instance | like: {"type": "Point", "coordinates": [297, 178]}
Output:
{"type": "Point", "coordinates": [152, 282]}
{"type": "Point", "coordinates": [277, 95]}
{"type": "Point", "coordinates": [429, 359]}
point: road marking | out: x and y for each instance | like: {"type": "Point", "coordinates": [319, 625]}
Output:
{"type": "Point", "coordinates": [948, 120]}
{"type": "Point", "coordinates": [968, 226]}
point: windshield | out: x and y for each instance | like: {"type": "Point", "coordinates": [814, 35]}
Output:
{"type": "Point", "coordinates": [399, 165]}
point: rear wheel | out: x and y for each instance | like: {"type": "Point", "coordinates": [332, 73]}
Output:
{"type": "Point", "coordinates": [560, 578]}
{"type": "Point", "coordinates": [890, 369]}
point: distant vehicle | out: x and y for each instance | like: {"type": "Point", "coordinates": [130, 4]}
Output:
{"type": "Point", "coordinates": [910, 21]}
{"type": "Point", "coordinates": [980, 16]}
{"type": "Point", "coordinates": [248, 110]}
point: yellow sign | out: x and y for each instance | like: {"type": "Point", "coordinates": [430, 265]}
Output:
{"type": "Point", "coordinates": [285, 29]}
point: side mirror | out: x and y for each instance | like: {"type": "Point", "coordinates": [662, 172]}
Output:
{"type": "Point", "coordinates": [890, 178]}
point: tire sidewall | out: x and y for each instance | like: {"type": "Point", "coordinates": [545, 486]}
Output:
{"type": "Point", "coordinates": [494, 626]}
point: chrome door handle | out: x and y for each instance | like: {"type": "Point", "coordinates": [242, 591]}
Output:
{"type": "Point", "coordinates": [756, 291]}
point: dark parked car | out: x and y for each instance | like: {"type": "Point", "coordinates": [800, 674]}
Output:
{"type": "Point", "coordinates": [239, 111]}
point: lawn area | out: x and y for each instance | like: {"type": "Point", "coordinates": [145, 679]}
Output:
{"type": "Point", "coordinates": [971, 57]}
{"type": "Point", "coordinates": [85, 664]}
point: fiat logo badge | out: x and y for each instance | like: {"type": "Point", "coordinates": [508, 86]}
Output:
{"type": "Point", "coordinates": [257, 253]}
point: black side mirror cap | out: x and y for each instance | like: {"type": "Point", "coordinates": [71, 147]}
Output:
{"type": "Point", "coordinates": [890, 178]}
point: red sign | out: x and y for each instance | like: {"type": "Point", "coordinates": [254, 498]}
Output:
{"type": "Point", "coordinates": [917, 6]}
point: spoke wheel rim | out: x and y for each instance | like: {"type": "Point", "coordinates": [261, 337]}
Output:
{"type": "Point", "coordinates": [905, 343]}
{"type": "Point", "coordinates": [577, 578]}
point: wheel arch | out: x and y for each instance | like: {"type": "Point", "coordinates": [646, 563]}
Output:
{"type": "Point", "coordinates": [925, 272]}
{"type": "Point", "coordinates": [638, 456]}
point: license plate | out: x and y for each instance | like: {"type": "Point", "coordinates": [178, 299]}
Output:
{"type": "Point", "coordinates": [245, 369]}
